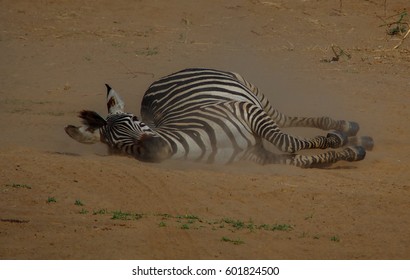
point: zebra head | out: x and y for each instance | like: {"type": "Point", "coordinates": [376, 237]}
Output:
{"type": "Point", "coordinates": [122, 132]}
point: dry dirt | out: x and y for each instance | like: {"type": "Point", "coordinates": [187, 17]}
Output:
{"type": "Point", "coordinates": [63, 200]}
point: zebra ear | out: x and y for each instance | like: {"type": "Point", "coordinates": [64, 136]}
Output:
{"type": "Point", "coordinates": [114, 102]}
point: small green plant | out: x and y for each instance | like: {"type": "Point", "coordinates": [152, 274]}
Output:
{"type": "Point", "coordinates": [335, 238]}
{"type": "Point", "coordinates": [251, 226]}
{"type": "Point", "coordinates": [162, 224]}
{"type": "Point", "coordinates": [51, 200]}
{"type": "Point", "coordinates": [119, 215]}
{"type": "Point", "coordinates": [237, 224]}
{"type": "Point", "coordinates": [19, 186]}
{"type": "Point", "coordinates": [78, 203]}
{"type": "Point", "coordinates": [189, 217]}
{"type": "Point", "coordinates": [83, 211]}
{"type": "Point", "coordinates": [281, 227]}
{"type": "Point", "coordinates": [235, 242]}
{"type": "Point", "coordinates": [165, 216]}
{"type": "Point", "coordinates": [185, 226]}
{"type": "Point", "coordinates": [100, 212]}
{"type": "Point", "coordinates": [264, 226]}
{"type": "Point", "coordinates": [399, 26]}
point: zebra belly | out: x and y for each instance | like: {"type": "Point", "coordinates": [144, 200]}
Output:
{"type": "Point", "coordinates": [216, 147]}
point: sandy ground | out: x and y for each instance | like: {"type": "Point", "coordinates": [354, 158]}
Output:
{"type": "Point", "coordinates": [63, 200]}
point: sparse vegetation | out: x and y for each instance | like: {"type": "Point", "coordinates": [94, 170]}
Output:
{"type": "Point", "coordinates": [78, 203]}
{"type": "Point", "coordinates": [51, 200]}
{"type": "Point", "coordinates": [335, 238]}
{"type": "Point", "coordinates": [189, 221]}
{"type": "Point", "coordinates": [399, 26]}
{"type": "Point", "coordinates": [164, 215]}
{"type": "Point", "coordinates": [233, 241]}
{"type": "Point", "coordinates": [119, 215]}
{"type": "Point", "coordinates": [147, 51]}
{"type": "Point", "coordinates": [185, 226]}
{"type": "Point", "coordinates": [236, 224]}
{"type": "Point", "coordinates": [190, 217]}
{"type": "Point", "coordinates": [281, 227]}
{"type": "Point", "coordinates": [338, 53]}
{"type": "Point", "coordinates": [19, 186]}
{"type": "Point", "coordinates": [100, 212]}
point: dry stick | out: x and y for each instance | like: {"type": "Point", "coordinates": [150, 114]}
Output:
{"type": "Point", "coordinates": [340, 52]}
{"type": "Point", "coordinates": [135, 73]}
{"type": "Point", "coordinates": [401, 41]}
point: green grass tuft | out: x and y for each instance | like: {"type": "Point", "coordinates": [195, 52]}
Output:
{"type": "Point", "coordinates": [119, 215]}
{"type": "Point", "coordinates": [78, 203]}
{"type": "Point", "coordinates": [233, 241]}
{"type": "Point", "coordinates": [51, 200]}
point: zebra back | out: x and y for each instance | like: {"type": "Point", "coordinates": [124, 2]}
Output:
{"type": "Point", "coordinates": [177, 95]}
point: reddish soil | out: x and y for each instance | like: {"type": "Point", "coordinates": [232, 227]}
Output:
{"type": "Point", "coordinates": [62, 200]}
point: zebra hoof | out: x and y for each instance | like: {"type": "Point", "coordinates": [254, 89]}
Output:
{"type": "Point", "coordinates": [351, 128]}
{"type": "Point", "coordinates": [367, 142]}
{"type": "Point", "coordinates": [364, 141]}
{"type": "Point", "coordinates": [337, 139]}
{"type": "Point", "coordinates": [355, 153]}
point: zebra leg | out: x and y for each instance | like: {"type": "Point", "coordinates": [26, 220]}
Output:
{"type": "Point", "coordinates": [264, 127]}
{"type": "Point", "coordinates": [261, 156]}
{"type": "Point", "coordinates": [350, 128]}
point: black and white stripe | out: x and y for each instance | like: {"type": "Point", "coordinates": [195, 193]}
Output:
{"type": "Point", "coordinates": [212, 116]}
{"type": "Point", "coordinates": [122, 131]}
{"type": "Point", "coordinates": [216, 116]}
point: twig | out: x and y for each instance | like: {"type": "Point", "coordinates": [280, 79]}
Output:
{"type": "Point", "coordinates": [401, 41]}
{"type": "Point", "coordinates": [136, 73]}
{"type": "Point", "coordinates": [338, 52]}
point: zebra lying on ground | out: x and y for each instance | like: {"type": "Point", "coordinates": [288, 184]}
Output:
{"type": "Point", "coordinates": [212, 116]}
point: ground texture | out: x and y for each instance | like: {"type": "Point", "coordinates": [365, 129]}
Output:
{"type": "Point", "coordinates": [63, 200]}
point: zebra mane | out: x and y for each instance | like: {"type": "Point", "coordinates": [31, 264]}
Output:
{"type": "Point", "coordinates": [92, 119]}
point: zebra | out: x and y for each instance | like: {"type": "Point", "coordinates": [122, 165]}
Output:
{"type": "Point", "coordinates": [213, 116]}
